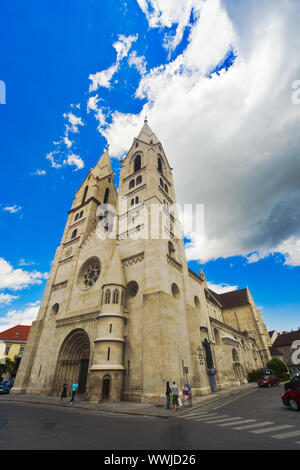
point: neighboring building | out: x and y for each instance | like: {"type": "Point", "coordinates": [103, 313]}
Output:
{"type": "Point", "coordinates": [121, 312]}
{"type": "Point", "coordinates": [282, 348]}
{"type": "Point", "coordinates": [15, 339]}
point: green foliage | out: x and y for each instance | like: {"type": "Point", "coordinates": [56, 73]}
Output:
{"type": "Point", "coordinates": [9, 367]}
{"type": "Point", "coordinates": [254, 375]}
{"type": "Point", "coordinates": [279, 369]}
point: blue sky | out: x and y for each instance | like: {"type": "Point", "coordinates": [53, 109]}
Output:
{"type": "Point", "coordinates": [215, 99]}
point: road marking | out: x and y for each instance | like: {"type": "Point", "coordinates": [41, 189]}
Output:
{"type": "Point", "coordinates": [204, 418]}
{"type": "Point", "coordinates": [218, 419]}
{"type": "Point", "coordinates": [196, 414]}
{"type": "Point", "coordinates": [287, 435]}
{"type": "Point", "coordinates": [251, 426]}
{"type": "Point", "coordinates": [274, 428]}
{"type": "Point", "coordinates": [236, 421]}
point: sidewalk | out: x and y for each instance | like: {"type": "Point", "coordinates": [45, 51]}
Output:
{"type": "Point", "coordinates": [132, 408]}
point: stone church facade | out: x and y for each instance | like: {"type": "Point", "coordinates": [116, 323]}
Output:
{"type": "Point", "coordinates": [122, 313]}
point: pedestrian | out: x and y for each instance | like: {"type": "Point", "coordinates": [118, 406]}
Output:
{"type": "Point", "coordinates": [168, 393]}
{"type": "Point", "coordinates": [189, 397]}
{"type": "Point", "coordinates": [64, 393]}
{"type": "Point", "coordinates": [175, 396]}
{"type": "Point", "coordinates": [184, 394]}
{"type": "Point", "coordinates": [74, 390]}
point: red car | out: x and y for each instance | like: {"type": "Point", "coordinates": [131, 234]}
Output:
{"type": "Point", "coordinates": [291, 398]}
{"type": "Point", "coordinates": [268, 381]}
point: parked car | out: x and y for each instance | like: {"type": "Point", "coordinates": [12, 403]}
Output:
{"type": "Point", "coordinates": [291, 398]}
{"type": "Point", "coordinates": [6, 386]}
{"type": "Point", "coordinates": [268, 381]}
{"type": "Point", "coordinates": [294, 374]}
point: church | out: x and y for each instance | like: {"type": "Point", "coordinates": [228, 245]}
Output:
{"type": "Point", "coordinates": [122, 313]}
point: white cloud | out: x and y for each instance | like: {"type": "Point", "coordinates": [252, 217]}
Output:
{"type": "Point", "coordinates": [139, 62]}
{"type": "Point", "coordinates": [18, 279]}
{"type": "Point", "coordinates": [39, 173]}
{"type": "Point", "coordinates": [51, 158]}
{"type": "Point", "coordinates": [103, 78]}
{"type": "Point", "coordinates": [6, 299]}
{"type": "Point", "coordinates": [12, 209]}
{"type": "Point", "coordinates": [74, 160]}
{"type": "Point", "coordinates": [221, 288]}
{"type": "Point", "coordinates": [20, 317]}
{"type": "Point", "coordinates": [75, 122]}
{"type": "Point", "coordinates": [233, 135]}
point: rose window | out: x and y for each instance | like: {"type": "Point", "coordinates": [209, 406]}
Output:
{"type": "Point", "coordinates": [90, 273]}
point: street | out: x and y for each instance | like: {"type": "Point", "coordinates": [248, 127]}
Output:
{"type": "Point", "coordinates": [253, 420]}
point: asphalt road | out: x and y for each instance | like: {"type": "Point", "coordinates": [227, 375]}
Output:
{"type": "Point", "coordinates": [220, 426]}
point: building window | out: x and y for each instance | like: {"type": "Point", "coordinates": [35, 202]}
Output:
{"type": "Point", "coordinates": [196, 301]}
{"type": "Point", "coordinates": [76, 217]}
{"type": "Point", "coordinates": [137, 200]}
{"type": "Point", "coordinates": [81, 214]}
{"type": "Point", "coordinates": [85, 194]}
{"type": "Point", "coordinates": [6, 350]}
{"type": "Point", "coordinates": [110, 328]}
{"type": "Point", "coordinates": [166, 188]}
{"type": "Point", "coordinates": [54, 309]}
{"type": "Point", "coordinates": [159, 163]}
{"type": "Point", "coordinates": [171, 249]}
{"type": "Point", "coordinates": [108, 354]}
{"type": "Point", "coordinates": [74, 234]}
{"type": "Point", "coordinates": [132, 202]}
{"type": "Point", "coordinates": [137, 163]}
{"type": "Point", "coordinates": [106, 195]}
{"type": "Point", "coordinates": [175, 291]}
{"type": "Point", "coordinates": [116, 296]}
{"type": "Point", "coordinates": [107, 296]}
{"type": "Point", "coordinates": [132, 289]}
{"type": "Point", "coordinates": [131, 184]}
{"type": "Point", "coordinates": [139, 179]}
{"type": "Point", "coordinates": [21, 351]}
{"type": "Point", "coordinates": [161, 183]}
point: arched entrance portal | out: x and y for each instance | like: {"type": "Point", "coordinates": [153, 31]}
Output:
{"type": "Point", "coordinates": [73, 361]}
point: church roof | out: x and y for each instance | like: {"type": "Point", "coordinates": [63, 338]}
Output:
{"type": "Point", "coordinates": [147, 135]}
{"type": "Point", "coordinates": [286, 339]}
{"type": "Point", "coordinates": [103, 167]}
{"type": "Point", "coordinates": [235, 298]}
{"type": "Point", "coordinates": [115, 273]}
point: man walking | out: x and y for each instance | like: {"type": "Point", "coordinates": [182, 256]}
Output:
{"type": "Point", "coordinates": [175, 395]}
{"type": "Point", "coordinates": [74, 390]}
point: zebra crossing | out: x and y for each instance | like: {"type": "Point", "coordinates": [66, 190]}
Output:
{"type": "Point", "coordinates": [238, 423]}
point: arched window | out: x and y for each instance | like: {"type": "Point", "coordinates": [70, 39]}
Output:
{"type": "Point", "coordinates": [54, 309]}
{"type": "Point", "coordinates": [132, 202]}
{"type": "Point", "coordinates": [131, 184]}
{"type": "Point", "coordinates": [106, 195]}
{"type": "Point", "coordinates": [175, 291]}
{"type": "Point", "coordinates": [171, 248]}
{"type": "Point", "coordinates": [81, 214]}
{"type": "Point", "coordinates": [166, 188]}
{"type": "Point", "coordinates": [132, 289]}
{"type": "Point", "coordinates": [139, 179]}
{"type": "Point", "coordinates": [161, 183]}
{"type": "Point", "coordinates": [116, 296]}
{"type": "Point", "coordinates": [74, 234]}
{"type": "Point", "coordinates": [159, 163]}
{"type": "Point", "coordinates": [107, 296]}
{"type": "Point", "coordinates": [85, 194]}
{"type": "Point", "coordinates": [137, 200]}
{"type": "Point", "coordinates": [137, 163]}
{"type": "Point", "coordinates": [76, 217]}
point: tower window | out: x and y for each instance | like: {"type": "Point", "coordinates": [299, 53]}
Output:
{"type": "Point", "coordinates": [108, 354]}
{"type": "Point", "coordinates": [131, 184]}
{"type": "Point", "coordinates": [85, 194]}
{"type": "Point", "coordinates": [137, 163]}
{"type": "Point", "coordinates": [175, 291]}
{"type": "Point", "coordinates": [116, 296]}
{"type": "Point", "coordinates": [74, 234]}
{"type": "Point", "coordinates": [137, 200]}
{"type": "Point", "coordinates": [161, 183]}
{"type": "Point", "coordinates": [107, 296]}
{"type": "Point", "coordinates": [139, 179]}
{"type": "Point", "coordinates": [110, 328]}
{"type": "Point", "coordinates": [159, 163]}
{"type": "Point", "coordinates": [106, 195]}
{"type": "Point", "coordinates": [132, 202]}
{"type": "Point", "coordinates": [171, 248]}
{"type": "Point", "coordinates": [76, 217]}
{"type": "Point", "coordinates": [166, 188]}
{"type": "Point", "coordinates": [132, 289]}
{"type": "Point", "coordinates": [81, 214]}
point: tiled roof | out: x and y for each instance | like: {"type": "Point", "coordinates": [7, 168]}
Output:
{"type": "Point", "coordinates": [286, 339]}
{"type": "Point", "coordinates": [235, 298]}
{"type": "Point", "coordinates": [16, 333]}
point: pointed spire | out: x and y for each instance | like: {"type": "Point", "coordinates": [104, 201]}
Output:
{"type": "Point", "coordinates": [103, 167]}
{"type": "Point", "coordinates": [146, 134]}
{"type": "Point", "coordinates": [115, 273]}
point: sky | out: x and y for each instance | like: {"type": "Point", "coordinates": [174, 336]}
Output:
{"type": "Point", "coordinates": [220, 83]}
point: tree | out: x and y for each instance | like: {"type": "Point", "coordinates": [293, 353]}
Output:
{"type": "Point", "coordinates": [278, 368]}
